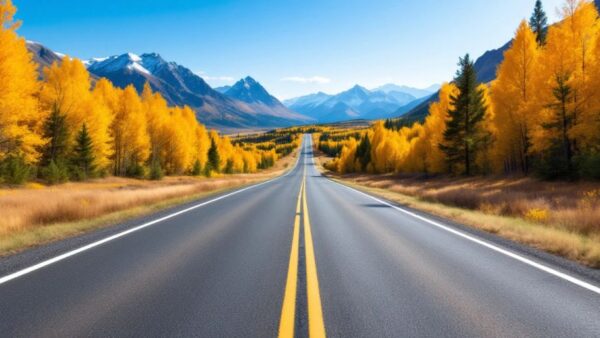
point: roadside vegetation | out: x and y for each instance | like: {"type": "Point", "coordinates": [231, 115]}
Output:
{"type": "Point", "coordinates": [35, 214]}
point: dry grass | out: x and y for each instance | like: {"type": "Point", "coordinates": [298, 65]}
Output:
{"type": "Point", "coordinates": [38, 214]}
{"type": "Point", "coordinates": [558, 217]}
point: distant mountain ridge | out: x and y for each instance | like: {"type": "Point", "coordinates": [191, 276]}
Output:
{"type": "Point", "coordinates": [179, 86]}
{"type": "Point", "coordinates": [357, 103]}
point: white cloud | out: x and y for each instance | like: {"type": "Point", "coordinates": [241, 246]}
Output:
{"type": "Point", "coordinates": [314, 79]}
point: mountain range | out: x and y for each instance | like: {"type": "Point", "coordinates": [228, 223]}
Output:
{"type": "Point", "coordinates": [357, 103]}
{"type": "Point", "coordinates": [248, 106]}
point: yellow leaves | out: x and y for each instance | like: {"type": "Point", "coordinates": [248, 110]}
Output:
{"type": "Point", "coordinates": [7, 12]}
{"type": "Point", "coordinates": [19, 119]}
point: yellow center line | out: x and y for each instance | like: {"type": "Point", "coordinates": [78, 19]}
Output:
{"type": "Point", "coordinates": [288, 310]}
{"type": "Point", "coordinates": [316, 326]}
{"type": "Point", "coordinates": [287, 323]}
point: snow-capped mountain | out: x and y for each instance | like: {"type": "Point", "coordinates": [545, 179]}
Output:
{"type": "Point", "coordinates": [357, 102]}
{"type": "Point", "coordinates": [179, 86]}
{"type": "Point", "coordinates": [258, 98]}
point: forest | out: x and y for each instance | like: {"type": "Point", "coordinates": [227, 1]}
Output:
{"type": "Point", "coordinates": [66, 125]}
{"type": "Point", "coordinates": [540, 117]}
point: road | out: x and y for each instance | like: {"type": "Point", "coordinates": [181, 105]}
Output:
{"type": "Point", "coordinates": [296, 255]}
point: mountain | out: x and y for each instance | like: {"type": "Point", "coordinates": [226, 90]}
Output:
{"type": "Point", "coordinates": [416, 92]}
{"type": "Point", "coordinates": [179, 86]}
{"type": "Point", "coordinates": [258, 98]}
{"type": "Point", "coordinates": [356, 102]}
{"type": "Point", "coordinates": [222, 89]}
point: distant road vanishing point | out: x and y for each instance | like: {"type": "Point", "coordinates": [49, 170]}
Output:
{"type": "Point", "coordinates": [300, 255]}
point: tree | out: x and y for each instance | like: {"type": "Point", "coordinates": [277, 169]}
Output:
{"type": "Point", "coordinates": [539, 23]}
{"type": "Point", "coordinates": [463, 133]}
{"type": "Point", "coordinates": [83, 155]}
{"type": "Point", "coordinates": [513, 94]}
{"type": "Point", "coordinates": [56, 134]}
{"type": "Point", "coordinates": [363, 152]}
{"type": "Point", "coordinates": [214, 161]}
{"type": "Point", "coordinates": [557, 160]}
{"type": "Point", "coordinates": [20, 121]}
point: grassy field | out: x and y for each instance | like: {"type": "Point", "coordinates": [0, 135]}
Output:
{"type": "Point", "coordinates": [559, 217]}
{"type": "Point", "coordinates": [37, 214]}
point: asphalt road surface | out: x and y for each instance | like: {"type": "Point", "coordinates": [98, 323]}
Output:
{"type": "Point", "coordinates": [298, 255]}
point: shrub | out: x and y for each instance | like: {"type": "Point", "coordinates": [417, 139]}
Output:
{"type": "Point", "coordinates": [55, 172]}
{"type": "Point", "coordinates": [537, 215]}
{"type": "Point", "coordinates": [14, 170]}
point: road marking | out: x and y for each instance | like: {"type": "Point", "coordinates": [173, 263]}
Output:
{"type": "Point", "coordinates": [74, 252]}
{"type": "Point", "coordinates": [490, 246]}
{"type": "Point", "coordinates": [288, 310]}
{"type": "Point", "coordinates": [316, 326]}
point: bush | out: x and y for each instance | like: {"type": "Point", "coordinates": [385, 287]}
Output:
{"type": "Point", "coordinates": [14, 170]}
{"type": "Point", "coordinates": [589, 166]}
{"type": "Point", "coordinates": [55, 172]}
{"type": "Point", "coordinates": [197, 169]}
{"type": "Point", "coordinates": [135, 170]}
{"type": "Point", "coordinates": [156, 172]}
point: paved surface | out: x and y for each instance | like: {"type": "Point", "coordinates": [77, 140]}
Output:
{"type": "Point", "coordinates": [222, 268]}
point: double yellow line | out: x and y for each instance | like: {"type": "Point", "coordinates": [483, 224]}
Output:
{"type": "Point", "coordinates": [316, 326]}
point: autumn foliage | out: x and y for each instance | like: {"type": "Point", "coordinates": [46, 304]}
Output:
{"type": "Point", "coordinates": [68, 126]}
{"type": "Point", "coordinates": [541, 115]}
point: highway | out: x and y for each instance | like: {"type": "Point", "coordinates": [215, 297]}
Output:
{"type": "Point", "coordinates": [300, 255]}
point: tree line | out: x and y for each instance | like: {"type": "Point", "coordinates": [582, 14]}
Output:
{"type": "Point", "coordinates": [66, 126]}
{"type": "Point", "coordinates": [540, 116]}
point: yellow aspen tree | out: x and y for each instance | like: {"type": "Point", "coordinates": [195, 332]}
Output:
{"type": "Point", "coordinates": [434, 127]}
{"type": "Point", "coordinates": [20, 122]}
{"type": "Point", "coordinates": [157, 114]}
{"type": "Point", "coordinates": [131, 142]}
{"type": "Point", "coordinates": [512, 100]}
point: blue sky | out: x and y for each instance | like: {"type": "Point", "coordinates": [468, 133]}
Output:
{"type": "Point", "coordinates": [292, 47]}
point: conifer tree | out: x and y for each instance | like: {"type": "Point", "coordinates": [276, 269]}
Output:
{"type": "Point", "coordinates": [83, 157]}
{"type": "Point", "coordinates": [557, 160]}
{"type": "Point", "coordinates": [539, 23]}
{"type": "Point", "coordinates": [213, 157]}
{"type": "Point", "coordinates": [363, 152]}
{"type": "Point", "coordinates": [463, 133]}
{"type": "Point", "coordinates": [56, 133]}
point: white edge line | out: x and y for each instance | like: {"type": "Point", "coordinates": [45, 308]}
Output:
{"type": "Point", "coordinates": [500, 250]}
{"type": "Point", "coordinates": [68, 254]}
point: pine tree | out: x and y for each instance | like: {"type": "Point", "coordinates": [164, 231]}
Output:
{"type": "Point", "coordinates": [83, 159]}
{"type": "Point", "coordinates": [363, 152]}
{"type": "Point", "coordinates": [463, 133]}
{"type": "Point", "coordinates": [213, 157]}
{"type": "Point", "coordinates": [539, 23]}
{"type": "Point", "coordinates": [56, 133]}
{"type": "Point", "coordinates": [557, 161]}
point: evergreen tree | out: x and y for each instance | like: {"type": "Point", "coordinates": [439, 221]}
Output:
{"type": "Point", "coordinates": [197, 168]}
{"type": "Point", "coordinates": [557, 161]}
{"type": "Point", "coordinates": [83, 156]}
{"type": "Point", "coordinates": [363, 152]}
{"type": "Point", "coordinates": [464, 134]}
{"type": "Point", "coordinates": [55, 131]}
{"type": "Point", "coordinates": [539, 23]}
{"type": "Point", "coordinates": [213, 157]}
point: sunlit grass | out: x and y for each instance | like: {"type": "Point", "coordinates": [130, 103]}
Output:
{"type": "Point", "coordinates": [558, 217]}
{"type": "Point", "coordinates": [38, 214]}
